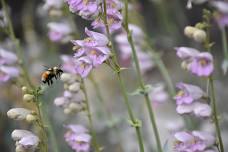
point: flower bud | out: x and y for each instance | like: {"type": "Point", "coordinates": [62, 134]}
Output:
{"type": "Point", "coordinates": [31, 118]}
{"type": "Point", "coordinates": [28, 97]}
{"type": "Point", "coordinates": [65, 86]}
{"type": "Point", "coordinates": [20, 148]}
{"type": "Point", "coordinates": [67, 110]}
{"type": "Point", "coordinates": [74, 107]}
{"type": "Point", "coordinates": [55, 13]}
{"type": "Point", "coordinates": [17, 134]}
{"type": "Point", "coordinates": [74, 87]}
{"type": "Point", "coordinates": [199, 35]}
{"type": "Point", "coordinates": [189, 30]}
{"type": "Point", "coordinates": [24, 89]}
{"type": "Point", "coordinates": [65, 77]}
{"type": "Point", "coordinates": [184, 65]}
{"type": "Point", "coordinates": [18, 113]}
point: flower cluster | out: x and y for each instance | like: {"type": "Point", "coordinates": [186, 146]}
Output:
{"type": "Point", "coordinates": [8, 70]}
{"type": "Point", "coordinates": [87, 9]}
{"type": "Point", "coordinates": [22, 114]}
{"type": "Point", "coordinates": [73, 97]}
{"type": "Point", "coordinates": [26, 141]}
{"type": "Point", "coordinates": [90, 52]}
{"type": "Point", "coordinates": [198, 63]}
{"type": "Point", "coordinates": [93, 10]}
{"type": "Point", "coordinates": [78, 138]}
{"type": "Point", "coordinates": [189, 99]}
{"type": "Point", "coordinates": [144, 58]}
{"type": "Point", "coordinates": [114, 17]}
{"type": "Point", "coordinates": [195, 33]}
{"type": "Point", "coordinates": [195, 141]}
{"type": "Point", "coordinates": [59, 31]}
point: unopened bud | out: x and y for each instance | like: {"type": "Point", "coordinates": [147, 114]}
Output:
{"type": "Point", "coordinates": [199, 36]}
{"type": "Point", "coordinates": [55, 13]}
{"type": "Point", "coordinates": [31, 118]}
{"type": "Point", "coordinates": [24, 89]}
{"type": "Point", "coordinates": [67, 111]}
{"type": "Point", "coordinates": [18, 113]}
{"type": "Point", "coordinates": [74, 107]}
{"type": "Point", "coordinates": [28, 97]}
{"type": "Point", "coordinates": [189, 30]}
{"type": "Point", "coordinates": [184, 65]}
{"type": "Point", "coordinates": [74, 87]}
{"type": "Point", "coordinates": [20, 148]}
{"type": "Point", "coordinates": [65, 77]}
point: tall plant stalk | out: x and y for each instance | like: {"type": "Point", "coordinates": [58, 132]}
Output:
{"type": "Point", "coordinates": [26, 79]}
{"type": "Point", "coordinates": [135, 123]}
{"type": "Point", "coordinates": [207, 44]}
{"type": "Point", "coordinates": [141, 82]}
{"type": "Point", "coordinates": [96, 146]}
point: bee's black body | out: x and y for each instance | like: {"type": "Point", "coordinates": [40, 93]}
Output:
{"type": "Point", "coordinates": [51, 73]}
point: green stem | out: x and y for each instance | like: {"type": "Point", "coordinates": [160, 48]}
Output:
{"type": "Point", "coordinates": [19, 50]}
{"type": "Point", "coordinates": [122, 85]}
{"type": "Point", "coordinates": [96, 146]}
{"type": "Point", "coordinates": [141, 82]}
{"type": "Point", "coordinates": [224, 42]}
{"type": "Point", "coordinates": [212, 89]}
{"type": "Point", "coordinates": [50, 128]}
{"type": "Point", "coordinates": [43, 135]}
{"type": "Point", "coordinates": [214, 107]}
{"type": "Point", "coordinates": [107, 112]}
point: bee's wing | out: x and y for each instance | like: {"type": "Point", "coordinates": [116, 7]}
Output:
{"type": "Point", "coordinates": [46, 67]}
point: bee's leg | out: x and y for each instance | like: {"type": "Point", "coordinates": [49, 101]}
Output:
{"type": "Point", "coordinates": [48, 82]}
{"type": "Point", "coordinates": [51, 81]}
{"type": "Point", "coordinates": [56, 76]}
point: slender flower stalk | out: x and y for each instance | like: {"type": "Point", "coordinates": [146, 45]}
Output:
{"type": "Point", "coordinates": [141, 82]}
{"type": "Point", "coordinates": [96, 146]}
{"type": "Point", "coordinates": [107, 112]}
{"type": "Point", "coordinates": [224, 42]}
{"type": "Point", "coordinates": [27, 80]}
{"type": "Point", "coordinates": [17, 45]}
{"type": "Point", "coordinates": [210, 80]}
{"type": "Point", "coordinates": [215, 118]}
{"type": "Point", "coordinates": [43, 136]}
{"type": "Point", "coordinates": [134, 121]}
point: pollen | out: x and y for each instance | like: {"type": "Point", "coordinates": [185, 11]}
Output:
{"type": "Point", "coordinates": [203, 62]}
{"type": "Point", "coordinates": [180, 93]}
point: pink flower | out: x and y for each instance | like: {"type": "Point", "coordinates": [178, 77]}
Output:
{"type": "Point", "coordinates": [59, 31]}
{"type": "Point", "coordinates": [68, 64]}
{"type": "Point", "coordinates": [186, 53]}
{"type": "Point", "coordinates": [199, 63]}
{"type": "Point", "coordinates": [197, 108]}
{"type": "Point", "coordinates": [220, 6]}
{"type": "Point", "coordinates": [8, 72]}
{"type": "Point", "coordinates": [87, 9]}
{"type": "Point", "coordinates": [188, 93]}
{"type": "Point", "coordinates": [90, 52]}
{"type": "Point", "coordinates": [94, 39]}
{"type": "Point", "coordinates": [195, 141]}
{"type": "Point", "coordinates": [202, 64]}
{"type": "Point", "coordinates": [7, 57]}
{"type": "Point", "coordinates": [83, 66]}
{"type": "Point", "coordinates": [78, 138]}
{"type": "Point", "coordinates": [114, 17]}
{"type": "Point", "coordinates": [25, 140]}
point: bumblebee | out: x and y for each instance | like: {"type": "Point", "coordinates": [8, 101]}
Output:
{"type": "Point", "coordinates": [51, 73]}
